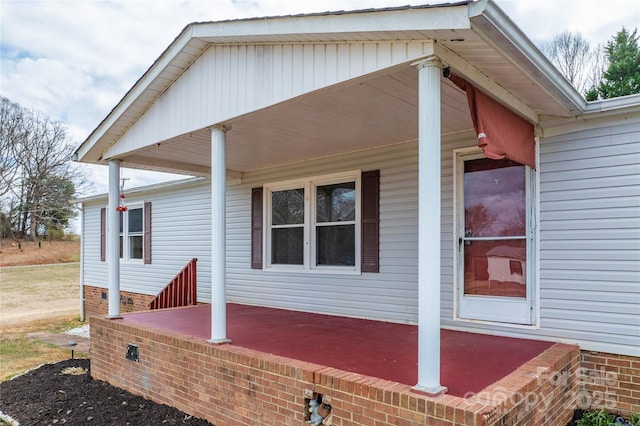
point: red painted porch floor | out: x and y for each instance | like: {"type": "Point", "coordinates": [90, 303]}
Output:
{"type": "Point", "coordinates": [469, 362]}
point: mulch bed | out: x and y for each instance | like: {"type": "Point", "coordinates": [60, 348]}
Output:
{"type": "Point", "coordinates": [65, 393]}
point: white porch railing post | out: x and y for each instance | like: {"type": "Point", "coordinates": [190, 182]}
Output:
{"type": "Point", "coordinates": [429, 71]}
{"type": "Point", "coordinates": [218, 236]}
{"type": "Point", "coordinates": [113, 240]}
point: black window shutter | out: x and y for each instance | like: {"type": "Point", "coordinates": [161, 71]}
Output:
{"type": "Point", "coordinates": [147, 233]}
{"type": "Point", "coordinates": [370, 229]}
{"type": "Point", "coordinates": [256, 228]}
{"type": "Point", "coordinates": [103, 234]}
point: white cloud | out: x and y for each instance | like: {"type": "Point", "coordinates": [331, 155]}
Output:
{"type": "Point", "coordinates": [596, 20]}
{"type": "Point", "coordinates": [74, 60]}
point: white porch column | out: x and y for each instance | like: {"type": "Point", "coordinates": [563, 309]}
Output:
{"type": "Point", "coordinates": [429, 226]}
{"type": "Point", "coordinates": [113, 240]}
{"type": "Point", "coordinates": [218, 236]}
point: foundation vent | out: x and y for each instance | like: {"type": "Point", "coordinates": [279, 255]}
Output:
{"type": "Point", "coordinates": [317, 408]}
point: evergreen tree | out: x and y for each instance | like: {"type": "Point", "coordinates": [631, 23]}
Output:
{"type": "Point", "coordinates": [622, 77]}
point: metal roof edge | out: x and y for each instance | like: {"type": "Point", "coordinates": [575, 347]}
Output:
{"type": "Point", "coordinates": [176, 46]}
{"type": "Point", "coordinates": [343, 12]}
{"type": "Point", "coordinates": [628, 102]}
{"type": "Point", "coordinates": [501, 31]}
{"type": "Point", "coordinates": [187, 34]}
{"type": "Point", "coordinates": [156, 187]}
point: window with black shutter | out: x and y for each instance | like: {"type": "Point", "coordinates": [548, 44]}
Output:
{"type": "Point", "coordinates": [135, 233]}
{"type": "Point", "coordinates": [325, 223]}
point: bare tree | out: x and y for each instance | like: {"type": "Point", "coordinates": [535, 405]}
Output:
{"type": "Point", "coordinates": [573, 56]}
{"type": "Point", "coordinates": [39, 176]}
{"type": "Point", "coordinates": [598, 67]}
{"type": "Point", "coordinates": [10, 143]}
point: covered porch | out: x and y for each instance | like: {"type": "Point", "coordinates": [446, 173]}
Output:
{"type": "Point", "coordinates": [265, 104]}
{"type": "Point", "coordinates": [365, 370]}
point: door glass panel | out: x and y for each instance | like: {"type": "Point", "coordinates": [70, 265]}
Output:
{"type": "Point", "coordinates": [494, 198]}
{"type": "Point", "coordinates": [494, 228]}
{"type": "Point", "coordinates": [495, 268]}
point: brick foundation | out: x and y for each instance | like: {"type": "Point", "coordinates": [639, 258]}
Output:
{"type": "Point", "coordinates": [231, 385]}
{"type": "Point", "coordinates": [609, 381]}
{"type": "Point", "coordinates": [96, 301]}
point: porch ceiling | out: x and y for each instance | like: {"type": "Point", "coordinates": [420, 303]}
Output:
{"type": "Point", "coordinates": [477, 40]}
{"type": "Point", "coordinates": [366, 113]}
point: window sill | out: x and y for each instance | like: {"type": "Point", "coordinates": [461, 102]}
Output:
{"type": "Point", "coordinates": [320, 271]}
{"type": "Point", "coordinates": [132, 261]}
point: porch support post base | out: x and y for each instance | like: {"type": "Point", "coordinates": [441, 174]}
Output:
{"type": "Point", "coordinates": [430, 392]}
{"type": "Point", "coordinates": [113, 317]}
{"type": "Point", "coordinates": [219, 341]}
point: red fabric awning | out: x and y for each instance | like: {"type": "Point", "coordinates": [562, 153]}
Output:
{"type": "Point", "coordinates": [501, 132]}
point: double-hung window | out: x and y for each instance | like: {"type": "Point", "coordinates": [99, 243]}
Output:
{"type": "Point", "coordinates": [132, 233]}
{"type": "Point", "coordinates": [314, 224]}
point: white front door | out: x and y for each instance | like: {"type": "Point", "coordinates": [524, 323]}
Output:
{"type": "Point", "coordinates": [495, 239]}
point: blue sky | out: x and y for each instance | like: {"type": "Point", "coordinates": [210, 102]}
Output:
{"type": "Point", "coordinates": [75, 59]}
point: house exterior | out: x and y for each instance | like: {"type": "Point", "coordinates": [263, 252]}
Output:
{"type": "Point", "coordinates": [340, 172]}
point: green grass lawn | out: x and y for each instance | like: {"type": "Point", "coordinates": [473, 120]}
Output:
{"type": "Point", "coordinates": [36, 278]}
{"type": "Point", "coordinates": [33, 299]}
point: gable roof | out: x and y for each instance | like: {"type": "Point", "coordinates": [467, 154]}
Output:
{"type": "Point", "coordinates": [475, 36]}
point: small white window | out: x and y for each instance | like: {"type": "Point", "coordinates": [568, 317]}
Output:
{"type": "Point", "coordinates": [132, 233]}
{"type": "Point", "coordinates": [314, 223]}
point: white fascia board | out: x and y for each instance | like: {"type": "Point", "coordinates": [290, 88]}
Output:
{"type": "Point", "coordinates": [147, 189]}
{"type": "Point", "coordinates": [138, 88]}
{"type": "Point", "coordinates": [607, 112]}
{"type": "Point", "coordinates": [499, 31]}
{"type": "Point", "coordinates": [255, 30]}
{"type": "Point", "coordinates": [334, 24]}
{"type": "Point", "coordinates": [614, 104]}
{"type": "Point", "coordinates": [478, 79]}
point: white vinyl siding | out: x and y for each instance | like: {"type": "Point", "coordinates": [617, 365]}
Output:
{"type": "Point", "coordinates": [590, 236]}
{"type": "Point", "coordinates": [589, 278]}
{"type": "Point", "coordinates": [589, 241]}
{"type": "Point", "coordinates": [389, 295]}
{"type": "Point", "coordinates": [181, 228]}
{"type": "Point", "coordinates": [94, 271]}
{"type": "Point", "coordinates": [256, 77]}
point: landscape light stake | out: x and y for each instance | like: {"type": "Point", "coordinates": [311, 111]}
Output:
{"type": "Point", "coordinates": [72, 345]}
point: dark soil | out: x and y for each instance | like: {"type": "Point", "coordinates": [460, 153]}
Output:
{"type": "Point", "coordinates": [46, 396]}
{"type": "Point", "coordinates": [577, 415]}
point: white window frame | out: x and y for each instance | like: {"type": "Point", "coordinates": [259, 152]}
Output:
{"type": "Point", "coordinates": [125, 234]}
{"type": "Point", "coordinates": [309, 233]}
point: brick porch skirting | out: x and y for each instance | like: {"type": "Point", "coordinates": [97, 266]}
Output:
{"type": "Point", "coordinates": [96, 301]}
{"type": "Point", "coordinates": [231, 385]}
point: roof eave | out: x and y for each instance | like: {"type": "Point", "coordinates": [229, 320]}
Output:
{"type": "Point", "coordinates": [145, 190]}
{"type": "Point", "coordinates": [255, 29]}
{"type": "Point", "coordinates": [136, 90]}
{"type": "Point", "coordinates": [498, 29]}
